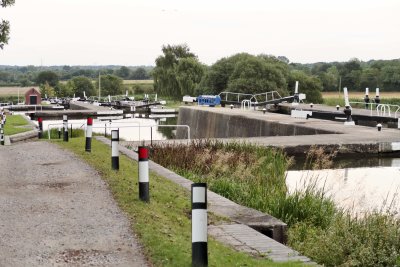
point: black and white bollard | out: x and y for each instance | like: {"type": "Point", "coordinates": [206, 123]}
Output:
{"type": "Point", "coordinates": [199, 225]}
{"type": "Point", "coordinates": [264, 110]}
{"type": "Point", "coordinates": [366, 98]}
{"type": "Point", "coordinates": [40, 122]}
{"type": "Point", "coordinates": [144, 187]}
{"type": "Point", "coordinates": [2, 135]}
{"type": "Point", "coordinates": [231, 106]}
{"type": "Point", "coordinates": [337, 107]}
{"type": "Point", "coordinates": [89, 125]}
{"type": "Point", "coordinates": [65, 125]}
{"type": "Point", "coordinates": [311, 105]}
{"type": "Point", "coordinates": [114, 149]}
{"type": "Point", "coordinates": [379, 126]}
{"type": "Point", "coordinates": [377, 99]}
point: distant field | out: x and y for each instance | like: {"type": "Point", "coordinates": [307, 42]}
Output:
{"type": "Point", "coordinates": [361, 94]}
{"type": "Point", "coordinates": [13, 91]}
{"type": "Point", "coordinates": [138, 81]}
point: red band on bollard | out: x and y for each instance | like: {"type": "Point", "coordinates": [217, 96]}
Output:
{"type": "Point", "coordinates": [89, 121]}
{"type": "Point", "coordinates": [40, 119]}
{"type": "Point", "coordinates": [143, 153]}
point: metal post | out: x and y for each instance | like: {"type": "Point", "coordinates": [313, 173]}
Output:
{"type": "Point", "coordinates": [199, 225]}
{"type": "Point", "coordinates": [88, 145]}
{"type": "Point", "coordinates": [71, 130]}
{"type": "Point", "coordinates": [144, 194]}
{"type": "Point", "coordinates": [114, 149]}
{"type": "Point", "coordinates": [40, 134]}
{"type": "Point", "coordinates": [65, 122]}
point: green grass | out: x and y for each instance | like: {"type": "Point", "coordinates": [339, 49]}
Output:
{"type": "Point", "coordinates": [255, 177]}
{"type": "Point", "coordinates": [16, 124]}
{"type": "Point", "coordinates": [163, 225]}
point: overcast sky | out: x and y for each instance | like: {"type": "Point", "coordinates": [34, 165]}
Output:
{"type": "Point", "coordinates": [132, 32]}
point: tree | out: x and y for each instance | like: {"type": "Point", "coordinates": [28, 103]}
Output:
{"type": "Point", "coordinates": [140, 74]}
{"type": "Point", "coordinates": [369, 78]}
{"type": "Point", "coordinates": [169, 74]}
{"type": "Point", "coordinates": [123, 72]}
{"type": "Point", "coordinates": [5, 25]}
{"type": "Point", "coordinates": [49, 77]}
{"type": "Point", "coordinates": [255, 75]}
{"type": "Point", "coordinates": [80, 84]}
{"type": "Point", "coordinates": [110, 85]}
{"type": "Point", "coordinates": [245, 73]}
{"type": "Point", "coordinates": [351, 73]}
{"type": "Point", "coordinates": [309, 85]}
{"type": "Point", "coordinates": [188, 74]}
{"type": "Point", "coordinates": [46, 89]}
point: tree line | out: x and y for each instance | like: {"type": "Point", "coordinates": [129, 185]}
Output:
{"type": "Point", "coordinates": [178, 72]}
{"type": "Point", "coordinates": [29, 75]}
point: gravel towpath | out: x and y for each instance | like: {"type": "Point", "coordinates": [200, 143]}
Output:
{"type": "Point", "coordinates": [56, 211]}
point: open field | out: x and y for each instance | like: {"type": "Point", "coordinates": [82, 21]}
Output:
{"type": "Point", "coordinates": [13, 91]}
{"type": "Point", "coordinates": [138, 81]}
{"type": "Point", "coordinates": [362, 94]}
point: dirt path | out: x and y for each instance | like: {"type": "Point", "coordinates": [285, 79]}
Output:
{"type": "Point", "coordinates": [56, 211]}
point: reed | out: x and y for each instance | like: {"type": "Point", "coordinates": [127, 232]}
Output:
{"type": "Point", "coordinates": [255, 177]}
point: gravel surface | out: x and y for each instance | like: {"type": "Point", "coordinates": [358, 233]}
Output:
{"type": "Point", "coordinates": [56, 211]}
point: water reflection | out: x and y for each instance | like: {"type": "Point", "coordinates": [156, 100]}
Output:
{"type": "Point", "coordinates": [356, 189]}
{"type": "Point", "coordinates": [130, 129]}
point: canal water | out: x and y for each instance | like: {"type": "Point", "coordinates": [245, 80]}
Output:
{"type": "Point", "coordinates": [130, 129]}
{"type": "Point", "coordinates": [357, 184]}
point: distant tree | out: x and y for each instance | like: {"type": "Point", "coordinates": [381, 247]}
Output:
{"type": "Point", "coordinates": [329, 79]}
{"type": "Point", "coordinates": [309, 85]}
{"type": "Point", "coordinates": [140, 74]}
{"type": "Point", "coordinates": [49, 77]}
{"type": "Point", "coordinates": [390, 76]}
{"type": "Point", "coordinates": [5, 25]}
{"type": "Point", "coordinates": [110, 85]}
{"type": "Point", "coordinates": [255, 75]}
{"type": "Point", "coordinates": [80, 84]}
{"type": "Point", "coordinates": [47, 89]}
{"type": "Point", "coordinates": [63, 90]}
{"type": "Point", "coordinates": [123, 72]}
{"type": "Point", "coordinates": [351, 74]}
{"type": "Point", "coordinates": [245, 73]}
{"type": "Point", "coordinates": [369, 78]}
{"type": "Point", "coordinates": [189, 72]}
{"type": "Point", "coordinates": [168, 70]}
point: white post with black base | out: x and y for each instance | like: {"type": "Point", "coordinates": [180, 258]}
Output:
{"type": "Point", "coordinates": [144, 187]}
{"type": "Point", "coordinates": [199, 225]}
{"type": "Point", "coordinates": [89, 126]}
{"type": "Point", "coordinates": [65, 126]}
{"type": "Point", "coordinates": [1, 135]}
{"type": "Point", "coordinates": [347, 111]}
{"type": "Point", "coordinates": [114, 149]}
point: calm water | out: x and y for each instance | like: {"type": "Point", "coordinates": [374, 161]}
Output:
{"type": "Point", "coordinates": [357, 189]}
{"type": "Point", "coordinates": [131, 129]}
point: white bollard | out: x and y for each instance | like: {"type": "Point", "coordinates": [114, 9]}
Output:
{"type": "Point", "coordinates": [199, 225]}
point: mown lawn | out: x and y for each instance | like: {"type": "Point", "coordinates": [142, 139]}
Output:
{"type": "Point", "coordinates": [16, 124]}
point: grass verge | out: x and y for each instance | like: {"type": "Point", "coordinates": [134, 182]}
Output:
{"type": "Point", "coordinates": [16, 124]}
{"type": "Point", "coordinates": [163, 225]}
{"type": "Point", "coordinates": [255, 177]}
